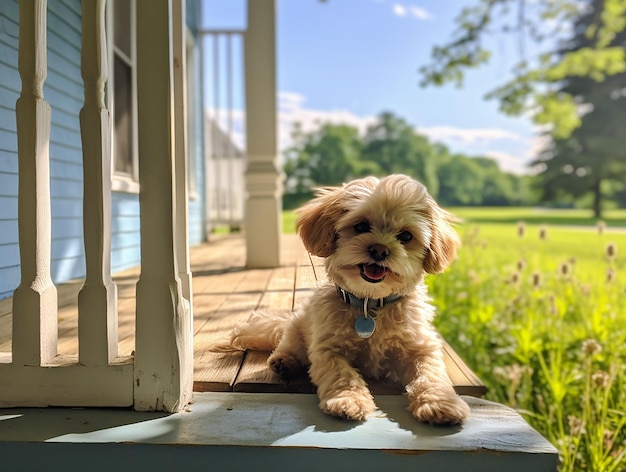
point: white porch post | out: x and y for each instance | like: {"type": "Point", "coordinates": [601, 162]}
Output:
{"type": "Point", "coordinates": [263, 175]}
{"type": "Point", "coordinates": [35, 300]}
{"type": "Point", "coordinates": [163, 377]}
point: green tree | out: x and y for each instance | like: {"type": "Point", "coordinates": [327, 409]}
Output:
{"type": "Point", "coordinates": [327, 156]}
{"type": "Point", "coordinates": [334, 154]}
{"type": "Point", "coordinates": [536, 86]}
{"type": "Point", "coordinates": [395, 146]}
{"type": "Point", "coordinates": [499, 188]}
{"type": "Point", "coordinates": [594, 155]}
{"type": "Point", "coordinates": [460, 181]}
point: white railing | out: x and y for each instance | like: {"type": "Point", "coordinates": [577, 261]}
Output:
{"type": "Point", "coordinates": [160, 374]}
{"type": "Point", "coordinates": [223, 50]}
{"type": "Point", "coordinates": [159, 377]}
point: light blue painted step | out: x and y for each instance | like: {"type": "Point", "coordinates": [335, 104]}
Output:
{"type": "Point", "coordinates": [258, 432]}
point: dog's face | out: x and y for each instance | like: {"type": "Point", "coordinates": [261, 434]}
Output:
{"type": "Point", "coordinates": [379, 237]}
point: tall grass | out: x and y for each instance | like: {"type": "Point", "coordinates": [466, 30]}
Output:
{"type": "Point", "coordinates": [539, 313]}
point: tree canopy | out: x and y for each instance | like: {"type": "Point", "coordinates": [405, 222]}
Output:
{"type": "Point", "coordinates": [334, 154]}
{"type": "Point", "coordinates": [592, 159]}
{"type": "Point", "coordinates": [536, 84]}
{"type": "Point", "coordinates": [576, 86]}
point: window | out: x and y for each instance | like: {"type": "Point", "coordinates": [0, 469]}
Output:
{"type": "Point", "coordinates": [123, 96]}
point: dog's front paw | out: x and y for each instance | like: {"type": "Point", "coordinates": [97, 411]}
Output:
{"type": "Point", "coordinates": [349, 405]}
{"type": "Point", "coordinates": [447, 410]}
{"type": "Point", "coordinates": [285, 365]}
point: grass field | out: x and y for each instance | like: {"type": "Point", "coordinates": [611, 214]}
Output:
{"type": "Point", "coordinates": [537, 216]}
{"type": "Point", "coordinates": [537, 309]}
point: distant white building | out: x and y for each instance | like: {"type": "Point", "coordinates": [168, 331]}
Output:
{"type": "Point", "coordinates": [226, 165]}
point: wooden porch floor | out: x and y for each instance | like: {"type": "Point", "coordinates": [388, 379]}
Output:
{"type": "Point", "coordinates": [225, 292]}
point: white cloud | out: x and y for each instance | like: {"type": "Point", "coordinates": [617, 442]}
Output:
{"type": "Point", "coordinates": [291, 110]}
{"type": "Point", "coordinates": [508, 162]}
{"type": "Point", "coordinates": [420, 13]}
{"type": "Point", "coordinates": [403, 10]}
{"type": "Point", "coordinates": [399, 10]}
{"type": "Point", "coordinates": [467, 135]}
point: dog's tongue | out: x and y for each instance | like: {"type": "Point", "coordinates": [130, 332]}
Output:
{"type": "Point", "coordinates": [374, 271]}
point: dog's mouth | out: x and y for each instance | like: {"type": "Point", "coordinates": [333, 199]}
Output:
{"type": "Point", "coordinates": [372, 273]}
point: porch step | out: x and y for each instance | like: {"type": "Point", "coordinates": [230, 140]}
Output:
{"type": "Point", "coordinates": [257, 431]}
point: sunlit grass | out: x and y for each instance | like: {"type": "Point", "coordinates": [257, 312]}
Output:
{"type": "Point", "coordinates": [538, 312]}
{"type": "Point", "coordinates": [534, 216]}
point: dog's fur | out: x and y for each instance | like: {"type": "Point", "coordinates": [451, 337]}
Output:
{"type": "Point", "coordinates": [366, 222]}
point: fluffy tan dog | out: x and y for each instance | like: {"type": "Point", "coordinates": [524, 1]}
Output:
{"type": "Point", "coordinates": [371, 317]}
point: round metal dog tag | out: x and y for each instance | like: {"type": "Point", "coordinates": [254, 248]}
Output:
{"type": "Point", "coordinates": [364, 327]}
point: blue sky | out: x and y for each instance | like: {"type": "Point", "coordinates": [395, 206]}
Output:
{"type": "Point", "coordinates": [345, 61]}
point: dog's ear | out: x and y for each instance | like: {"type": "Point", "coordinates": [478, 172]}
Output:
{"type": "Point", "coordinates": [316, 221]}
{"type": "Point", "coordinates": [443, 244]}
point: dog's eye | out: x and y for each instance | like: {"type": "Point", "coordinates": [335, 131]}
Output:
{"type": "Point", "coordinates": [404, 237]}
{"type": "Point", "coordinates": [362, 227]}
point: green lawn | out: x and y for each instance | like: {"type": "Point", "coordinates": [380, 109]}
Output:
{"type": "Point", "coordinates": [541, 318]}
{"type": "Point", "coordinates": [538, 216]}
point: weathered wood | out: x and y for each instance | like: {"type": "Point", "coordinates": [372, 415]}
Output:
{"type": "Point", "coordinates": [35, 299]}
{"type": "Point", "coordinates": [219, 370]}
{"type": "Point", "coordinates": [239, 431]}
{"type": "Point", "coordinates": [97, 300]}
{"type": "Point", "coordinates": [255, 375]}
{"type": "Point", "coordinates": [65, 382]}
{"type": "Point", "coordinates": [465, 381]}
{"type": "Point", "coordinates": [164, 345]}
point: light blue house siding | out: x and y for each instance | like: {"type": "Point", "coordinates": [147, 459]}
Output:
{"type": "Point", "coordinates": [9, 91]}
{"type": "Point", "coordinates": [63, 91]}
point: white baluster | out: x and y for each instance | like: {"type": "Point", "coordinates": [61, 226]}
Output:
{"type": "Point", "coordinates": [97, 300]}
{"type": "Point", "coordinates": [35, 300]}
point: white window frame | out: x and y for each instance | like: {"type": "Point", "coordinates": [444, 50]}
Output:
{"type": "Point", "coordinates": [121, 181]}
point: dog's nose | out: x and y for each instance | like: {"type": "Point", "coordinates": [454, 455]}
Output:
{"type": "Point", "coordinates": [378, 252]}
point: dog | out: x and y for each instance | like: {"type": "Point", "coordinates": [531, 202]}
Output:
{"type": "Point", "coordinates": [372, 317]}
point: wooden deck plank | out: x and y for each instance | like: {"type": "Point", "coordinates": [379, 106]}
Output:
{"type": "Point", "coordinates": [255, 375]}
{"type": "Point", "coordinates": [224, 293]}
{"type": "Point", "coordinates": [218, 371]}
{"type": "Point", "coordinates": [465, 381]}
